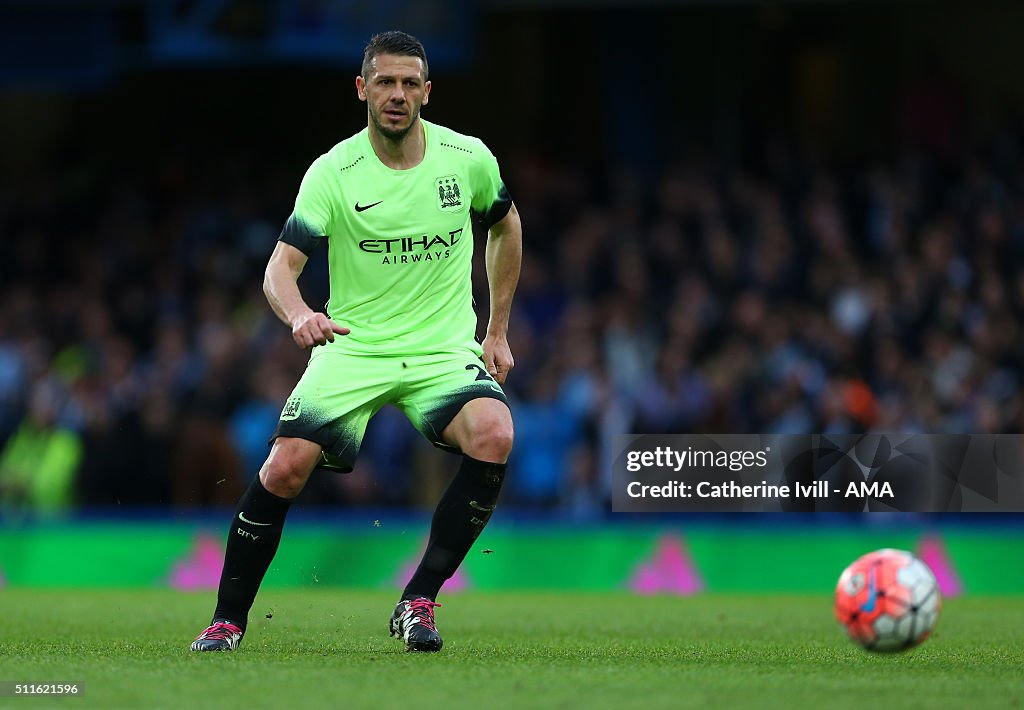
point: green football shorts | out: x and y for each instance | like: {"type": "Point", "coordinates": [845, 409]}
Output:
{"type": "Point", "coordinates": [338, 394]}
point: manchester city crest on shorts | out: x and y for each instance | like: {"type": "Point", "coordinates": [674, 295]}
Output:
{"type": "Point", "coordinates": [292, 409]}
{"type": "Point", "coordinates": [449, 194]}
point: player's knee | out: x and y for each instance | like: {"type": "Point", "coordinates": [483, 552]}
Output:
{"type": "Point", "coordinates": [289, 465]}
{"type": "Point", "coordinates": [284, 476]}
{"type": "Point", "coordinates": [500, 440]}
{"type": "Point", "coordinates": [491, 439]}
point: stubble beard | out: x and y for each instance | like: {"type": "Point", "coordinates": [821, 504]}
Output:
{"type": "Point", "coordinates": [395, 135]}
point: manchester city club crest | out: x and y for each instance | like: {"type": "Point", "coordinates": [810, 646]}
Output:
{"type": "Point", "coordinates": [449, 194]}
{"type": "Point", "coordinates": [292, 409]}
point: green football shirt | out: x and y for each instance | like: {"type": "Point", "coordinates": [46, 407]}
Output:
{"type": "Point", "coordinates": [400, 242]}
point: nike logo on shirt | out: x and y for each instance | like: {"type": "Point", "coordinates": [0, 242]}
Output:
{"type": "Point", "coordinates": [360, 208]}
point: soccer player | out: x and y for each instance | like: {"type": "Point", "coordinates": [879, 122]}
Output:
{"type": "Point", "coordinates": [396, 203]}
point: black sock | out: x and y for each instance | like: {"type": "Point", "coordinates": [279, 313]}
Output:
{"type": "Point", "coordinates": [461, 515]}
{"type": "Point", "coordinates": [252, 542]}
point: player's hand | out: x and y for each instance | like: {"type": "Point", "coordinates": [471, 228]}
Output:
{"type": "Point", "coordinates": [314, 329]}
{"type": "Point", "coordinates": [498, 357]}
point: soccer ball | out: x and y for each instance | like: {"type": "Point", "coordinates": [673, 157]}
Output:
{"type": "Point", "coordinates": [888, 600]}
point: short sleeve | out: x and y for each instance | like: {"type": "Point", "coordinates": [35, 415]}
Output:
{"type": "Point", "coordinates": [313, 215]}
{"type": "Point", "coordinates": [491, 201]}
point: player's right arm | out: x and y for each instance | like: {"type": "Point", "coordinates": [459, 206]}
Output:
{"type": "Point", "coordinates": [280, 284]}
{"type": "Point", "coordinates": [308, 223]}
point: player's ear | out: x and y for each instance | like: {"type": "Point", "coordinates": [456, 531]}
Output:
{"type": "Point", "coordinates": [426, 93]}
{"type": "Point", "coordinates": [360, 87]}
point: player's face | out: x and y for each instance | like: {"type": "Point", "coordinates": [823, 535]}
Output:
{"type": "Point", "coordinates": [394, 91]}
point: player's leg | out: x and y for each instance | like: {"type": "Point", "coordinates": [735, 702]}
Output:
{"type": "Point", "coordinates": [472, 419]}
{"type": "Point", "coordinates": [483, 432]}
{"type": "Point", "coordinates": [254, 537]}
{"type": "Point", "coordinates": [322, 424]}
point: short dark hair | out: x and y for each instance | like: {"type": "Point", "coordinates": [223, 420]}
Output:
{"type": "Point", "coordinates": [394, 42]}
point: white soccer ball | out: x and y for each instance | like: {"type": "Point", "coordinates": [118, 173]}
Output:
{"type": "Point", "coordinates": [888, 600]}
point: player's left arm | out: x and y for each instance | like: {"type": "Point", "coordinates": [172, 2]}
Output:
{"type": "Point", "coordinates": [503, 255]}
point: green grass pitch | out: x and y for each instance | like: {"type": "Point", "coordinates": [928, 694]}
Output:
{"type": "Point", "coordinates": [330, 649]}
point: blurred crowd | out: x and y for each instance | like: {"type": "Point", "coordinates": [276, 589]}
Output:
{"type": "Point", "coordinates": [140, 363]}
